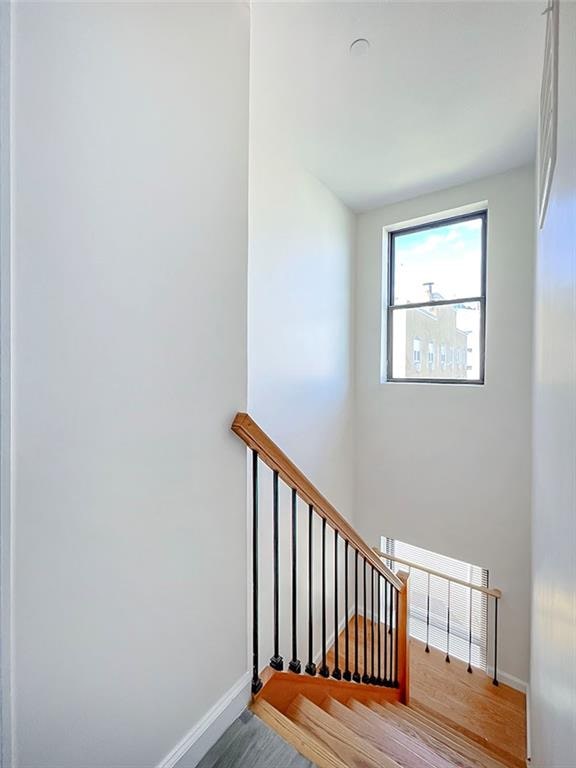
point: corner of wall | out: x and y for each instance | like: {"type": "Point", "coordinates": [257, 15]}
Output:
{"type": "Point", "coordinates": [6, 667]}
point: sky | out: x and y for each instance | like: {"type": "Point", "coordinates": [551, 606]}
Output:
{"type": "Point", "coordinates": [449, 256]}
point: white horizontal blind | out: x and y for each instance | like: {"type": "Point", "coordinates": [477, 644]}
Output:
{"type": "Point", "coordinates": [548, 112]}
{"type": "Point", "coordinates": [465, 603]}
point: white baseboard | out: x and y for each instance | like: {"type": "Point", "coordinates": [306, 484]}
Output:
{"type": "Point", "coordinates": [513, 682]}
{"type": "Point", "coordinates": [528, 727]}
{"type": "Point", "coordinates": [207, 731]}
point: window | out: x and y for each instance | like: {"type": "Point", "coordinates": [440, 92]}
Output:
{"type": "Point", "coordinates": [416, 360]}
{"type": "Point", "coordinates": [437, 299]}
{"type": "Point", "coordinates": [468, 608]}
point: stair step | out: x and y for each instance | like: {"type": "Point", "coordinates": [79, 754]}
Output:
{"type": "Point", "coordinates": [439, 742]}
{"type": "Point", "coordinates": [300, 738]}
{"type": "Point", "coordinates": [355, 751]}
{"type": "Point", "coordinates": [383, 735]}
{"type": "Point", "coordinates": [443, 720]}
{"type": "Point", "coordinates": [452, 739]}
{"type": "Point", "coordinates": [409, 741]}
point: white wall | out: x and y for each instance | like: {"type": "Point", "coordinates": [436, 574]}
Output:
{"type": "Point", "coordinates": [448, 467]}
{"type": "Point", "coordinates": [300, 278]}
{"type": "Point", "coordinates": [300, 356]}
{"type": "Point", "coordinates": [130, 259]}
{"type": "Point", "coordinates": [553, 662]}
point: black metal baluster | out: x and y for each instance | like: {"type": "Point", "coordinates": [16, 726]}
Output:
{"type": "Point", "coordinates": [386, 634]}
{"type": "Point", "coordinates": [276, 662]}
{"type": "Point", "coordinates": [427, 649]}
{"type": "Point", "coordinates": [347, 675]}
{"type": "Point", "coordinates": [470, 634]}
{"type": "Point", "coordinates": [379, 596]}
{"type": "Point", "coordinates": [256, 681]}
{"type": "Point", "coordinates": [448, 627]}
{"type": "Point", "coordinates": [336, 672]}
{"type": "Point", "coordinates": [397, 597]}
{"type": "Point", "coordinates": [372, 623]}
{"type": "Point", "coordinates": [495, 680]}
{"type": "Point", "coordinates": [324, 671]}
{"type": "Point", "coordinates": [356, 675]}
{"type": "Point", "coordinates": [310, 667]}
{"type": "Point", "coordinates": [365, 676]}
{"type": "Point", "coordinates": [391, 636]}
{"type": "Point", "coordinates": [294, 665]}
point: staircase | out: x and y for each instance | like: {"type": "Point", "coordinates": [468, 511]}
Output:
{"type": "Point", "coordinates": [370, 734]}
{"type": "Point", "coordinates": [365, 695]}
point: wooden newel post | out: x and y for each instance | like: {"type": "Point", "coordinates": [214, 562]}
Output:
{"type": "Point", "coordinates": [403, 640]}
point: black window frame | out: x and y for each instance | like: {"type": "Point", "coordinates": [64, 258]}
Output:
{"type": "Point", "coordinates": [481, 299]}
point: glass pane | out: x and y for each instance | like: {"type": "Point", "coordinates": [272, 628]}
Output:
{"type": "Point", "coordinates": [439, 263]}
{"type": "Point", "coordinates": [437, 342]}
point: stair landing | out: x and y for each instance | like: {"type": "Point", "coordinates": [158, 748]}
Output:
{"type": "Point", "coordinates": [470, 703]}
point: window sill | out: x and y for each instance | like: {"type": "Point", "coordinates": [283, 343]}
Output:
{"type": "Point", "coordinates": [443, 382]}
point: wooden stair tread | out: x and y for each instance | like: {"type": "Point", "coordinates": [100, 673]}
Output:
{"type": "Point", "coordinates": [499, 735]}
{"type": "Point", "coordinates": [360, 721]}
{"type": "Point", "coordinates": [407, 750]}
{"type": "Point", "coordinates": [305, 743]}
{"type": "Point", "coordinates": [424, 740]}
{"type": "Point", "coordinates": [466, 755]}
{"type": "Point", "coordinates": [456, 740]}
{"type": "Point", "coordinates": [438, 742]}
{"type": "Point", "coordinates": [342, 740]}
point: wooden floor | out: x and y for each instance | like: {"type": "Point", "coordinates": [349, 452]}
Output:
{"type": "Point", "coordinates": [488, 713]}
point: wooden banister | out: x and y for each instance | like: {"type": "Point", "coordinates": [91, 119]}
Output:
{"type": "Point", "coordinates": [491, 592]}
{"type": "Point", "coordinates": [256, 439]}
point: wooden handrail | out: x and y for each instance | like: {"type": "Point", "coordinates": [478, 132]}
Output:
{"type": "Point", "coordinates": [256, 439]}
{"type": "Point", "coordinates": [487, 591]}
